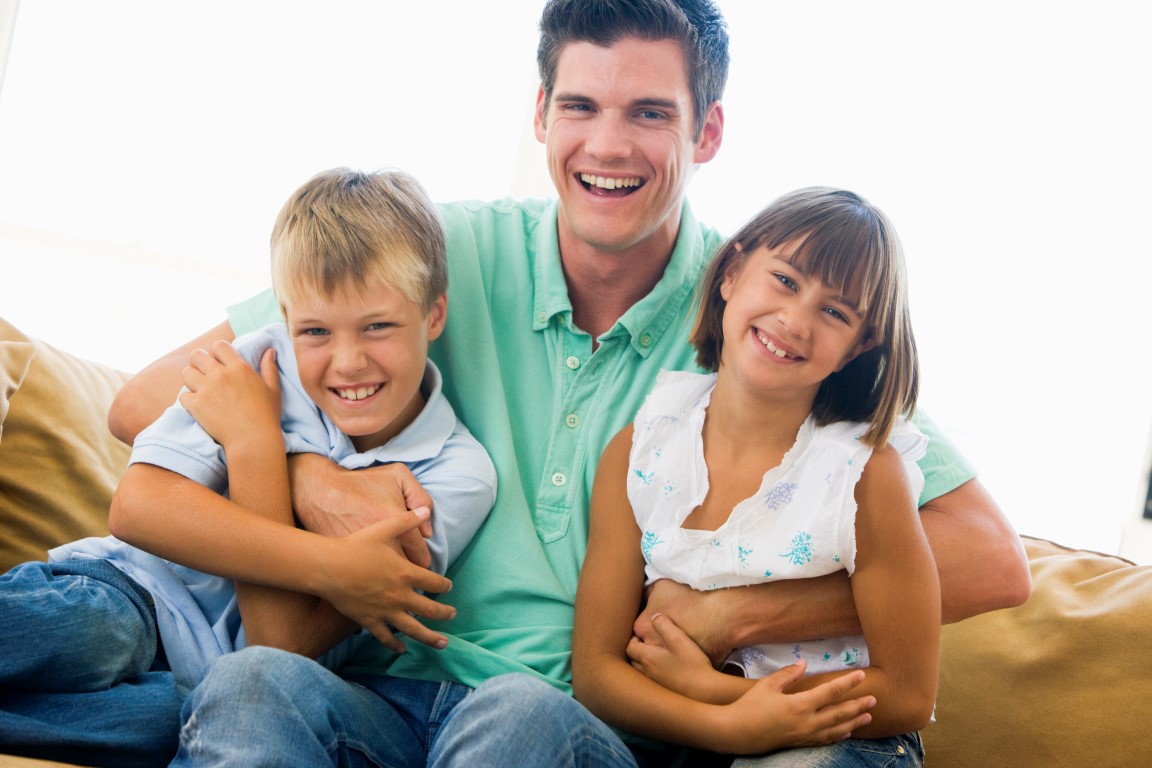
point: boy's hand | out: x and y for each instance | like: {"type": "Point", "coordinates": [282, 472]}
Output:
{"type": "Point", "coordinates": [372, 583]}
{"type": "Point", "coordinates": [228, 399]}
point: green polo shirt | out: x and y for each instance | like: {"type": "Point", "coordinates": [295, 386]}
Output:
{"type": "Point", "coordinates": [528, 384]}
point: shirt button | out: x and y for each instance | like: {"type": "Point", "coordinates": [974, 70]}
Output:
{"type": "Point", "coordinates": [572, 420]}
{"type": "Point", "coordinates": [573, 362]}
{"type": "Point", "coordinates": [646, 340]}
{"type": "Point", "coordinates": [559, 478]}
{"type": "Point", "coordinates": [541, 316]}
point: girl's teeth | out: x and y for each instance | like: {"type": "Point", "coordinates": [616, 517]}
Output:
{"type": "Point", "coordinates": [357, 394]}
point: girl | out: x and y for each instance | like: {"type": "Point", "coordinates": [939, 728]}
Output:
{"type": "Point", "coordinates": [791, 460]}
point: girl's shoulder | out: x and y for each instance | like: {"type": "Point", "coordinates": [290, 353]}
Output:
{"type": "Point", "coordinates": [676, 393]}
{"type": "Point", "coordinates": [908, 441]}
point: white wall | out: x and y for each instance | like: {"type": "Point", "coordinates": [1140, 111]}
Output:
{"type": "Point", "coordinates": [146, 145]}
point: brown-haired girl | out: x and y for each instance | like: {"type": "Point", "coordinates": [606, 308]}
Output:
{"type": "Point", "coordinates": [792, 459]}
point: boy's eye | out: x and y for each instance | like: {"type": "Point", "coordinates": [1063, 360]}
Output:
{"type": "Point", "coordinates": [381, 326]}
{"type": "Point", "coordinates": [313, 332]}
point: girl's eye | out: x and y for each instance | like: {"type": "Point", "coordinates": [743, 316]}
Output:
{"type": "Point", "coordinates": [837, 314]}
{"type": "Point", "coordinates": [786, 281]}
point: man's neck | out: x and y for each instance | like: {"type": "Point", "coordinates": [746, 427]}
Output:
{"type": "Point", "coordinates": [603, 285]}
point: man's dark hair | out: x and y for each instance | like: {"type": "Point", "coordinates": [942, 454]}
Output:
{"type": "Point", "coordinates": [697, 25]}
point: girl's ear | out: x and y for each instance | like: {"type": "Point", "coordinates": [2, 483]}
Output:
{"type": "Point", "coordinates": [731, 271]}
{"type": "Point", "coordinates": [864, 345]}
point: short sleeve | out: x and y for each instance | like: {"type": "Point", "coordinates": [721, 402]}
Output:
{"type": "Point", "coordinates": [254, 313]}
{"type": "Point", "coordinates": [945, 468]}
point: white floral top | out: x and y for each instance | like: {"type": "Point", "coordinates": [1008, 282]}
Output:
{"type": "Point", "coordinates": [800, 524]}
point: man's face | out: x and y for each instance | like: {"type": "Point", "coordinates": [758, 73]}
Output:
{"type": "Point", "coordinates": [619, 136]}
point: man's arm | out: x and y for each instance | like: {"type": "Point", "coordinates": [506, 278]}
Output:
{"type": "Point", "coordinates": [980, 559]}
{"type": "Point", "coordinates": [145, 396]}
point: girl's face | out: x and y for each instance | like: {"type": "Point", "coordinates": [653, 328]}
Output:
{"type": "Point", "coordinates": [784, 330]}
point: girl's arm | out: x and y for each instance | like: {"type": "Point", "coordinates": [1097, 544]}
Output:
{"type": "Point", "coordinates": [961, 525]}
{"type": "Point", "coordinates": [897, 596]}
{"type": "Point", "coordinates": [607, 600]}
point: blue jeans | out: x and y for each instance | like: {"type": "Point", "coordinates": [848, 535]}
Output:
{"type": "Point", "coordinates": [265, 707]}
{"type": "Point", "coordinates": [903, 751]}
{"type": "Point", "coordinates": [79, 679]}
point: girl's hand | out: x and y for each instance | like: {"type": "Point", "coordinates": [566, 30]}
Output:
{"type": "Point", "coordinates": [767, 717]}
{"type": "Point", "coordinates": [230, 400]}
{"type": "Point", "coordinates": [670, 657]}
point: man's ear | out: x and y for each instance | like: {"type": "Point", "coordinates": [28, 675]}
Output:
{"type": "Point", "coordinates": [437, 316]}
{"type": "Point", "coordinates": [538, 119]}
{"type": "Point", "coordinates": [711, 134]}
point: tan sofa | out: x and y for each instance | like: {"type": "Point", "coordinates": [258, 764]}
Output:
{"type": "Point", "coordinates": [1063, 681]}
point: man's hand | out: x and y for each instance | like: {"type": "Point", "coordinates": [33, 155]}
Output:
{"type": "Point", "coordinates": [690, 611]}
{"type": "Point", "coordinates": [333, 501]}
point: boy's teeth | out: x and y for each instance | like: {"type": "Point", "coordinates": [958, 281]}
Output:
{"type": "Point", "coordinates": [359, 393]}
{"type": "Point", "coordinates": [609, 182]}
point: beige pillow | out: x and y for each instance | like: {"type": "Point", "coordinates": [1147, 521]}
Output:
{"type": "Point", "coordinates": [58, 462]}
{"type": "Point", "coordinates": [1063, 681]}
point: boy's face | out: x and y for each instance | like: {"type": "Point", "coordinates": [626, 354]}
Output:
{"type": "Point", "coordinates": [619, 136]}
{"type": "Point", "coordinates": [361, 355]}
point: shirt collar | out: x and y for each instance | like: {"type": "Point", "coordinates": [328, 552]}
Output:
{"type": "Point", "coordinates": [647, 320]}
{"type": "Point", "coordinates": [424, 438]}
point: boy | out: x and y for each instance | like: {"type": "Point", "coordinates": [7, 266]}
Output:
{"type": "Point", "coordinates": [359, 270]}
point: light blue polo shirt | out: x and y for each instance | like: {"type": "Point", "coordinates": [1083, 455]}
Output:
{"type": "Point", "coordinates": [196, 613]}
{"type": "Point", "coordinates": [532, 390]}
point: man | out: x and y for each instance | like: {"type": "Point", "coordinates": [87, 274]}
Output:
{"type": "Point", "coordinates": [563, 313]}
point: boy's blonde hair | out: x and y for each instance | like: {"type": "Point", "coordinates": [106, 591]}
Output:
{"type": "Point", "coordinates": [850, 246]}
{"type": "Point", "coordinates": [345, 227]}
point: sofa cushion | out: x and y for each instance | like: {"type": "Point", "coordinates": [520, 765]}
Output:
{"type": "Point", "coordinates": [1061, 681]}
{"type": "Point", "coordinates": [59, 464]}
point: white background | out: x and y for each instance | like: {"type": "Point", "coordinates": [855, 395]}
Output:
{"type": "Point", "coordinates": [146, 145]}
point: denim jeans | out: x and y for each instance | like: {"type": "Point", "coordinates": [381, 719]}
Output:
{"type": "Point", "coordinates": [79, 681]}
{"type": "Point", "coordinates": [264, 707]}
{"type": "Point", "coordinates": [903, 751]}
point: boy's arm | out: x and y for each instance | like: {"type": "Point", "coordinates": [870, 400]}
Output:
{"type": "Point", "coordinates": [147, 394]}
{"type": "Point", "coordinates": [963, 526]}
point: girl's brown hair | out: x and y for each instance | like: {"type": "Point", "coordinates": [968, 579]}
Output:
{"type": "Point", "coordinates": [849, 245]}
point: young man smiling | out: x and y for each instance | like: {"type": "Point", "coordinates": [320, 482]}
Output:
{"type": "Point", "coordinates": [563, 313]}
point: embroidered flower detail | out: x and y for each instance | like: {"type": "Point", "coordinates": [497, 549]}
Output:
{"type": "Point", "coordinates": [850, 658]}
{"type": "Point", "coordinates": [780, 495]}
{"type": "Point", "coordinates": [796, 651]}
{"type": "Point", "coordinates": [742, 555]}
{"type": "Point", "coordinates": [836, 558]}
{"type": "Point", "coordinates": [827, 656]}
{"type": "Point", "coordinates": [648, 543]}
{"type": "Point", "coordinates": [801, 551]}
{"type": "Point", "coordinates": [645, 478]}
{"type": "Point", "coordinates": [767, 574]}
{"type": "Point", "coordinates": [669, 487]}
